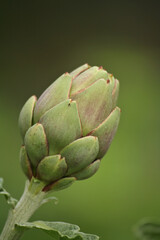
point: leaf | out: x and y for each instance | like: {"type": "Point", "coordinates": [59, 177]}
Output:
{"type": "Point", "coordinates": [58, 230]}
{"type": "Point", "coordinates": [49, 199]}
{"type": "Point", "coordinates": [11, 201]}
{"type": "Point", "coordinates": [148, 229]}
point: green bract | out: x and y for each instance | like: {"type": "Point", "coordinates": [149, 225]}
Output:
{"type": "Point", "coordinates": [69, 128]}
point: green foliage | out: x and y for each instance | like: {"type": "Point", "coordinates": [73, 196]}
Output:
{"type": "Point", "coordinates": [148, 230]}
{"type": "Point", "coordinates": [58, 230]}
{"type": "Point", "coordinates": [49, 199]}
{"type": "Point", "coordinates": [10, 200]}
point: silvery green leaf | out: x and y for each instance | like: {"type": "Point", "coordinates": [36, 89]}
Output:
{"type": "Point", "coordinates": [49, 199]}
{"type": "Point", "coordinates": [58, 230]}
{"type": "Point", "coordinates": [148, 229]}
{"type": "Point", "coordinates": [10, 200]}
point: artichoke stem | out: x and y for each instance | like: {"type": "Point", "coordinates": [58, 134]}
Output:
{"type": "Point", "coordinates": [27, 205]}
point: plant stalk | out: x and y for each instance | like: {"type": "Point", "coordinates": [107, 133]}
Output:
{"type": "Point", "coordinates": [27, 205]}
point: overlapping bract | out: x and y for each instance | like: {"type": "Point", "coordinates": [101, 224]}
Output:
{"type": "Point", "coordinates": [70, 127]}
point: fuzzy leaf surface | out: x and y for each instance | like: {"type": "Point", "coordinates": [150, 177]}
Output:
{"type": "Point", "coordinates": [58, 230]}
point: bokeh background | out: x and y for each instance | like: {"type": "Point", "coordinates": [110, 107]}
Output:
{"type": "Point", "coordinates": [42, 39]}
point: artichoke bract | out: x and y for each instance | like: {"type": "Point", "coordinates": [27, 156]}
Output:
{"type": "Point", "coordinates": [69, 128]}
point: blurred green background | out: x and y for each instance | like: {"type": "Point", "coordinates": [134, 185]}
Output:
{"type": "Point", "coordinates": [42, 39]}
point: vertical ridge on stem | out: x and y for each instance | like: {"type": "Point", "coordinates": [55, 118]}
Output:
{"type": "Point", "coordinates": [27, 205]}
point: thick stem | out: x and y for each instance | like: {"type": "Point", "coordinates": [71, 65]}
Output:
{"type": "Point", "coordinates": [27, 205]}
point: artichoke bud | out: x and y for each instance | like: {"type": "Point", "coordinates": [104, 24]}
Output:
{"type": "Point", "coordinates": [70, 127]}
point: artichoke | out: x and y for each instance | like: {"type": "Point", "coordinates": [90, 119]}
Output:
{"type": "Point", "coordinates": [69, 128]}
